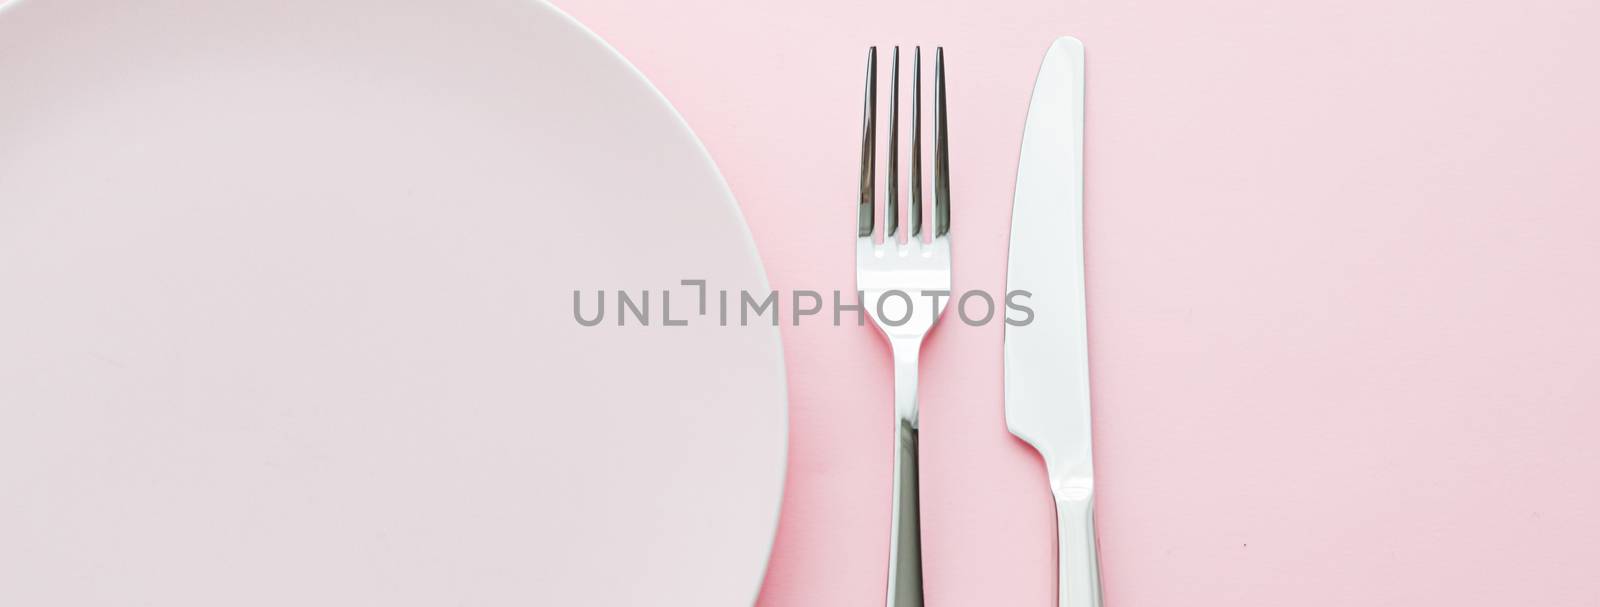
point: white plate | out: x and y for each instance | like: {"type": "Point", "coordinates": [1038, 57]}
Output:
{"type": "Point", "coordinates": [286, 315]}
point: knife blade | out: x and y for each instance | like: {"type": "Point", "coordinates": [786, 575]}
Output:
{"type": "Point", "coordinates": [1047, 359]}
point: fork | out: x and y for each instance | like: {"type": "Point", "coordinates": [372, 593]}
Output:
{"type": "Point", "coordinates": [901, 284]}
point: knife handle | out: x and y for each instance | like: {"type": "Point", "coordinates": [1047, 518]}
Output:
{"type": "Point", "coordinates": [1077, 551]}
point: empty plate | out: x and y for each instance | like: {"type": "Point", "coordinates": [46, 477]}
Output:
{"type": "Point", "coordinates": [287, 315]}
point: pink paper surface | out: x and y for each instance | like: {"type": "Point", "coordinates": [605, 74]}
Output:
{"type": "Point", "coordinates": [1343, 283]}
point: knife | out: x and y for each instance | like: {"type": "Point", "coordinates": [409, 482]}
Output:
{"type": "Point", "coordinates": [1047, 359]}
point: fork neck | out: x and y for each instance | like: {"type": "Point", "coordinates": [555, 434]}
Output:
{"type": "Point", "coordinates": [906, 357]}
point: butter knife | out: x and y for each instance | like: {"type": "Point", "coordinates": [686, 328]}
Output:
{"type": "Point", "coordinates": [1047, 359]}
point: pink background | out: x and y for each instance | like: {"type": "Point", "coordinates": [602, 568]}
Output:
{"type": "Point", "coordinates": [1343, 286]}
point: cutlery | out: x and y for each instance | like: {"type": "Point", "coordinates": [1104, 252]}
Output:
{"type": "Point", "coordinates": [896, 280]}
{"type": "Point", "coordinates": [1047, 360]}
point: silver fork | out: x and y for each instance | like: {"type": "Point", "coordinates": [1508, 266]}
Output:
{"type": "Point", "coordinates": [904, 286]}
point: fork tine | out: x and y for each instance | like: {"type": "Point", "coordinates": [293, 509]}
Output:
{"type": "Point", "coordinates": [941, 151]}
{"type": "Point", "coordinates": [916, 144]}
{"type": "Point", "coordinates": [891, 202]}
{"type": "Point", "coordinates": [869, 137]}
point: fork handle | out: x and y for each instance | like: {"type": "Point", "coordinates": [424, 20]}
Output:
{"type": "Point", "coordinates": [1077, 552]}
{"type": "Point", "coordinates": [905, 540]}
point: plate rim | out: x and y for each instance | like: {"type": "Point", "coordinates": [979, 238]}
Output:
{"type": "Point", "coordinates": [731, 204]}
